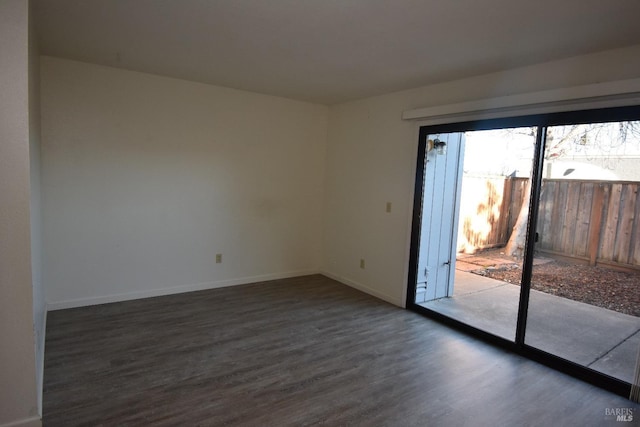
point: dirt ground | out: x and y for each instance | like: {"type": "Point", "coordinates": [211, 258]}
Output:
{"type": "Point", "coordinates": [599, 286]}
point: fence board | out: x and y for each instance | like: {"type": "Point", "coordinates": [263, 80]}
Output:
{"type": "Point", "coordinates": [611, 223]}
{"type": "Point", "coordinates": [570, 213]}
{"type": "Point", "coordinates": [595, 224]}
{"type": "Point", "coordinates": [583, 218]}
{"type": "Point", "coordinates": [558, 218]}
{"type": "Point", "coordinates": [493, 209]}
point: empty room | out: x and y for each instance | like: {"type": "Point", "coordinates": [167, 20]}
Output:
{"type": "Point", "coordinates": [284, 213]}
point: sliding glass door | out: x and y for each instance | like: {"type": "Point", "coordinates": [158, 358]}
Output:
{"type": "Point", "coordinates": [536, 221]}
{"type": "Point", "coordinates": [584, 304]}
{"type": "Point", "coordinates": [473, 193]}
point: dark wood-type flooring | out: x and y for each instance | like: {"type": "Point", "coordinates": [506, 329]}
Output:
{"type": "Point", "coordinates": [294, 352]}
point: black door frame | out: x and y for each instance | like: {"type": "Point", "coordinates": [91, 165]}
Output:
{"type": "Point", "coordinates": [541, 121]}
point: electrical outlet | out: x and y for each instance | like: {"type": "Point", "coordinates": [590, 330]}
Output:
{"type": "Point", "coordinates": [388, 207]}
{"type": "Point", "coordinates": [362, 263]}
{"type": "Point", "coordinates": [218, 258]}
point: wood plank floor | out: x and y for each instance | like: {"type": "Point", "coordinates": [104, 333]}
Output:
{"type": "Point", "coordinates": [294, 352]}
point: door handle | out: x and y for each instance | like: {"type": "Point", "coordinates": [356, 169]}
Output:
{"type": "Point", "coordinates": [446, 263]}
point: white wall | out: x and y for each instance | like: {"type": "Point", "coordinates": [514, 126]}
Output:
{"type": "Point", "coordinates": [371, 158]}
{"type": "Point", "coordinates": [39, 307]}
{"type": "Point", "coordinates": [18, 390]}
{"type": "Point", "coordinates": [146, 178]}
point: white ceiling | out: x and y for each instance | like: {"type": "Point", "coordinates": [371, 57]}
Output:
{"type": "Point", "coordinates": [330, 51]}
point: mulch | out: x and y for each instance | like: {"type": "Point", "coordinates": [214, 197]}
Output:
{"type": "Point", "coordinates": [595, 285]}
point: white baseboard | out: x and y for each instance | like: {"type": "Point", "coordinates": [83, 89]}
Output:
{"type": "Point", "coordinates": [25, 422]}
{"type": "Point", "coordinates": [364, 288]}
{"type": "Point", "coordinates": [83, 302]}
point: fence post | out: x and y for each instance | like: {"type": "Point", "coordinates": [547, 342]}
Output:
{"type": "Point", "coordinates": [595, 223]}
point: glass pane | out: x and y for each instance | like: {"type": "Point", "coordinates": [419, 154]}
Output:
{"type": "Point", "coordinates": [585, 298]}
{"type": "Point", "coordinates": [493, 188]}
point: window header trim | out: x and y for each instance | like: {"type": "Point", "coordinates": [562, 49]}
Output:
{"type": "Point", "coordinates": [620, 93]}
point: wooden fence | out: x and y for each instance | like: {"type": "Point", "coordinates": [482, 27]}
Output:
{"type": "Point", "coordinates": [594, 221]}
{"type": "Point", "coordinates": [489, 207]}
{"type": "Point", "coordinates": [590, 220]}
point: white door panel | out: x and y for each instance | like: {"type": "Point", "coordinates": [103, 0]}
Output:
{"type": "Point", "coordinates": [436, 260]}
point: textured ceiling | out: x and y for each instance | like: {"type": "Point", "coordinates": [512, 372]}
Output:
{"type": "Point", "coordinates": [330, 51]}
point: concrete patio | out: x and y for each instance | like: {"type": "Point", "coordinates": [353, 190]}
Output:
{"type": "Point", "coordinates": [601, 339]}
